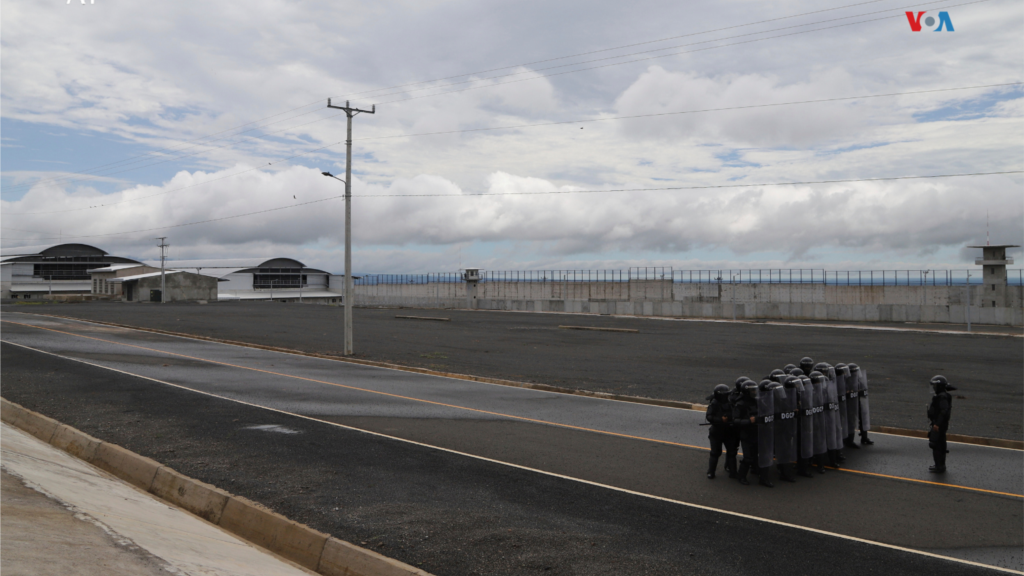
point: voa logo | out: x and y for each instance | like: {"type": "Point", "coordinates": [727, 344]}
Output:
{"type": "Point", "coordinates": [944, 22]}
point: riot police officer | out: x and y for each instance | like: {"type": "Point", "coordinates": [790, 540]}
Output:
{"type": "Point", "coordinates": [744, 416]}
{"type": "Point", "coordinates": [939, 412]}
{"type": "Point", "coordinates": [722, 432]}
{"type": "Point", "coordinates": [807, 365]}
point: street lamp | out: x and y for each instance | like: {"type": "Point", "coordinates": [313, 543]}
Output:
{"type": "Point", "coordinates": [347, 298]}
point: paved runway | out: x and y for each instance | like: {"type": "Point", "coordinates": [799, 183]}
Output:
{"type": "Point", "coordinates": [886, 495]}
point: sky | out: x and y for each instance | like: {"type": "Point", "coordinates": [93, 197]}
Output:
{"type": "Point", "coordinates": [516, 135]}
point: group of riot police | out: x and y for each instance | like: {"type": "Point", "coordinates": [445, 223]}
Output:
{"type": "Point", "coordinates": [798, 417]}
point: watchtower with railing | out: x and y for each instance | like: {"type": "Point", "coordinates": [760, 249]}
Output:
{"type": "Point", "coordinates": [993, 273]}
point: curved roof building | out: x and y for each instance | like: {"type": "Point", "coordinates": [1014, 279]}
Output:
{"type": "Point", "coordinates": [60, 269]}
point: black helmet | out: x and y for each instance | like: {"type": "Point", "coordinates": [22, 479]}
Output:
{"type": "Point", "coordinates": [797, 372]}
{"type": "Point", "coordinates": [750, 388]}
{"type": "Point", "coordinates": [776, 375]}
{"type": "Point", "coordinates": [853, 368]}
{"type": "Point", "coordinates": [940, 384]}
{"type": "Point", "coordinates": [720, 393]}
{"type": "Point", "coordinates": [822, 367]}
{"type": "Point", "coordinates": [788, 368]}
{"type": "Point", "coordinates": [806, 363]}
{"type": "Point", "coordinates": [789, 381]}
{"type": "Point", "coordinates": [816, 376]}
{"type": "Point", "coordinates": [840, 368]}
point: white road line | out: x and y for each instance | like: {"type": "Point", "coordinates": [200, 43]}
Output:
{"type": "Point", "coordinates": [399, 369]}
{"type": "Point", "coordinates": [546, 473]}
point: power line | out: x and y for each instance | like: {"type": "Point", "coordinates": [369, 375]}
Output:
{"type": "Point", "coordinates": [616, 48]}
{"type": "Point", "coordinates": [198, 221]}
{"type": "Point", "coordinates": [197, 139]}
{"type": "Point", "coordinates": [429, 95]}
{"type": "Point", "coordinates": [541, 193]}
{"type": "Point", "coordinates": [616, 190]}
{"type": "Point", "coordinates": [838, 99]}
{"type": "Point", "coordinates": [660, 56]}
{"type": "Point", "coordinates": [638, 53]}
{"type": "Point", "coordinates": [520, 126]}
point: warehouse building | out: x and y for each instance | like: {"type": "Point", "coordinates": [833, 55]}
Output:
{"type": "Point", "coordinates": [56, 272]}
{"type": "Point", "coordinates": [280, 279]}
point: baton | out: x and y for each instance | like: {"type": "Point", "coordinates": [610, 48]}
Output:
{"type": "Point", "coordinates": [705, 424]}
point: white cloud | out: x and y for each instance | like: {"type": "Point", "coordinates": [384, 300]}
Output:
{"type": "Point", "coordinates": [157, 73]}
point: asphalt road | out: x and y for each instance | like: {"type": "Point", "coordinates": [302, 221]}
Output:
{"type": "Point", "coordinates": [676, 360]}
{"type": "Point", "coordinates": [634, 447]}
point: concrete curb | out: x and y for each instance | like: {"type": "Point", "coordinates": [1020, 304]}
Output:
{"type": "Point", "coordinates": [978, 440]}
{"type": "Point", "coordinates": [244, 518]}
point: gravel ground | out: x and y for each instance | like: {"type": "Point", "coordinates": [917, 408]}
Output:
{"type": "Point", "coordinates": [667, 359]}
{"type": "Point", "coordinates": [446, 513]}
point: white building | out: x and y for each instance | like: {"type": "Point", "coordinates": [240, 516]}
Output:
{"type": "Point", "coordinates": [56, 271]}
{"type": "Point", "coordinates": [281, 279]}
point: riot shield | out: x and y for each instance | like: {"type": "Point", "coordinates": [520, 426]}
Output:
{"type": "Point", "coordinates": [765, 426]}
{"type": "Point", "coordinates": [832, 440]}
{"type": "Point", "coordinates": [806, 422]}
{"type": "Point", "coordinates": [820, 429]}
{"type": "Point", "coordinates": [785, 424]}
{"type": "Point", "coordinates": [841, 395]}
{"type": "Point", "coordinates": [865, 407]}
{"type": "Point", "coordinates": [852, 403]}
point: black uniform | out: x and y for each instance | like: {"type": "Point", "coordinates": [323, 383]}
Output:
{"type": "Point", "coordinates": [744, 408]}
{"type": "Point", "coordinates": [722, 433]}
{"type": "Point", "coordinates": [939, 412]}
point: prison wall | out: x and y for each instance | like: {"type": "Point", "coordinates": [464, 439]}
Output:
{"type": "Point", "coordinates": [933, 304]}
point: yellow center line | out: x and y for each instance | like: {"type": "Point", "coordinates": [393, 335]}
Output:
{"type": "Point", "coordinates": [478, 410]}
{"type": "Point", "coordinates": [390, 394]}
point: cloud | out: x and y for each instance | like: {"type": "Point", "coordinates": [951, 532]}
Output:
{"type": "Point", "coordinates": [160, 73]}
{"type": "Point", "coordinates": [421, 214]}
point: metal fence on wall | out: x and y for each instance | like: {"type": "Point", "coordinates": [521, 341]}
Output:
{"type": "Point", "coordinates": [1015, 277]}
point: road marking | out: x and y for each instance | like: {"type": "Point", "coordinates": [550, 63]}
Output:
{"type": "Point", "coordinates": [672, 405]}
{"type": "Point", "coordinates": [538, 471]}
{"type": "Point", "coordinates": [478, 410]}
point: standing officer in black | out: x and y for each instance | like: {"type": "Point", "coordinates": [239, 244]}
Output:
{"type": "Point", "coordinates": [939, 412]}
{"type": "Point", "coordinates": [719, 415]}
{"type": "Point", "coordinates": [744, 416]}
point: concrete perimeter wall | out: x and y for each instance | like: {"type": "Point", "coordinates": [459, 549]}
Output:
{"type": "Point", "coordinates": [940, 304]}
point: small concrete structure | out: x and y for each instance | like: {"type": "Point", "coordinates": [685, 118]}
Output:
{"type": "Point", "coordinates": [181, 287]}
{"type": "Point", "coordinates": [993, 273]}
{"type": "Point", "coordinates": [103, 285]}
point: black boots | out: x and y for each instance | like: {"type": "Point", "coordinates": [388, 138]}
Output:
{"type": "Point", "coordinates": [801, 469]}
{"type": "Point", "coordinates": [940, 461]}
{"type": "Point", "coordinates": [730, 465]}
{"type": "Point", "coordinates": [712, 466]}
{"type": "Point", "coordinates": [742, 474]}
{"type": "Point", "coordinates": [849, 443]}
{"type": "Point", "coordinates": [819, 462]}
{"type": "Point", "coordinates": [833, 459]}
{"type": "Point", "coordinates": [864, 440]}
{"type": "Point", "coordinates": [784, 474]}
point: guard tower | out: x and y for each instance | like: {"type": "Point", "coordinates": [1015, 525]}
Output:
{"type": "Point", "coordinates": [993, 273]}
{"type": "Point", "coordinates": [472, 278]}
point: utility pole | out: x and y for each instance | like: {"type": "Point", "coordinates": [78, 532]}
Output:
{"type": "Point", "coordinates": [350, 112]}
{"type": "Point", "coordinates": [968, 302]}
{"type": "Point", "coordinates": [163, 282]}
